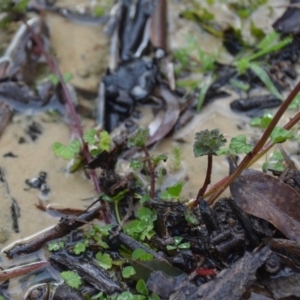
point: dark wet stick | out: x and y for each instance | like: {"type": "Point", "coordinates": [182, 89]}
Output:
{"type": "Point", "coordinates": [65, 226]}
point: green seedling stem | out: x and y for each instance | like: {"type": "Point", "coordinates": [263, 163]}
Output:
{"type": "Point", "coordinates": [258, 150]}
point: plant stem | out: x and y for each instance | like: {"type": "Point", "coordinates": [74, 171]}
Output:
{"type": "Point", "coordinates": [151, 172]}
{"type": "Point", "coordinates": [255, 152]}
{"type": "Point", "coordinates": [207, 177]}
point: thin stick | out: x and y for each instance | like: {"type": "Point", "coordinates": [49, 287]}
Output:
{"type": "Point", "coordinates": [151, 173]}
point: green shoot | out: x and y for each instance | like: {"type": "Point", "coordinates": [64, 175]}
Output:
{"type": "Point", "coordinates": [72, 279]}
{"type": "Point", "coordinates": [141, 287]}
{"type": "Point", "coordinates": [245, 8]}
{"type": "Point", "coordinates": [177, 244]}
{"type": "Point", "coordinates": [239, 84]}
{"type": "Point", "coordinates": [262, 122]}
{"type": "Point", "coordinates": [176, 158]}
{"type": "Point", "coordinates": [55, 80]}
{"type": "Point", "coordinates": [208, 143]}
{"type": "Point", "coordinates": [280, 135]}
{"type": "Point", "coordinates": [79, 248]}
{"type": "Point", "coordinates": [104, 260]}
{"type": "Point", "coordinates": [264, 77]}
{"type": "Point", "coordinates": [274, 163]}
{"type": "Point", "coordinates": [67, 152]}
{"type": "Point", "coordinates": [172, 192]}
{"type": "Point", "coordinates": [56, 245]}
{"type": "Point", "coordinates": [97, 233]}
{"type": "Point", "coordinates": [239, 145]}
{"type": "Point", "coordinates": [142, 227]}
{"type": "Point", "coordinates": [127, 272]}
{"type": "Point", "coordinates": [255, 31]}
{"type": "Point", "coordinates": [141, 254]}
{"type": "Point", "coordinates": [116, 199]}
{"type": "Point", "coordinates": [139, 139]}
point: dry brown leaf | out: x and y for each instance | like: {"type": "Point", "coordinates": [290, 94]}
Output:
{"type": "Point", "coordinates": [268, 198]}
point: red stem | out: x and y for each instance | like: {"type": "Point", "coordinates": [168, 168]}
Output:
{"type": "Point", "coordinates": [207, 177]}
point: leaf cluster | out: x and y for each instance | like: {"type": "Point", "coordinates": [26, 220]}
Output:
{"type": "Point", "coordinates": [142, 227]}
{"type": "Point", "coordinates": [177, 244]}
{"type": "Point", "coordinates": [172, 192]}
{"type": "Point", "coordinates": [138, 138]}
{"type": "Point", "coordinates": [208, 142]}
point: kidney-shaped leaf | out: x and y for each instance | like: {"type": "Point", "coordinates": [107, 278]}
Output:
{"type": "Point", "coordinates": [268, 198]}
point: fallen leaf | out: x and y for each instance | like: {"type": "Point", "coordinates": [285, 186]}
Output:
{"type": "Point", "coordinates": [268, 198]}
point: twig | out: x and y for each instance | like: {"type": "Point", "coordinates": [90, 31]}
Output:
{"type": "Point", "coordinates": [151, 172]}
{"type": "Point", "coordinates": [65, 226]}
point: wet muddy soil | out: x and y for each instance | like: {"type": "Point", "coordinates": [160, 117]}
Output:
{"type": "Point", "coordinates": [25, 145]}
{"type": "Point", "coordinates": [83, 51]}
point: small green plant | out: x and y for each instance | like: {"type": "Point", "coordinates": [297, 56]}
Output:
{"type": "Point", "coordinates": [97, 233]}
{"type": "Point", "coordinates": [67, 152]}
{"type": "Point", "coordinates": [71, 279]}
{"type": "Point", "coordinates": [128, 271]}
{"type": "Point", "coordinates": [208, 143]}
{"type": "Point", "coordinates": [172, 192]}
{"type": "Point", "coordinates": [115, 200]}
{"type": "Point", "coordinates": [262, 122]}
{"type": "Point", "coordinates": [142, 227]}
{"type": "Point", "coordinates": [80, 247]}
{"type": "Point", "coordinates": [99, 141]}
{"type": "Point", "coordinates": [141, 254]}
{"type": "Point", "coordinates": [176, 158]}
{"type": "Point", "coordinates": [177, 244]}
{"type": "Point", "coordinates": [104, 260]}
{"type": "Point", "coordinates": [56, 246]}
{"type": "Point", "coordinates": [268, 45]}
{"type": "Point", "coordinates": [139, 139]}
{"type": "Point", "coordinates": [274, 163]}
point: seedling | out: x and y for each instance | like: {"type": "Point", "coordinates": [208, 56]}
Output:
{"type": "Point", "coordinates": [104, 260]}
{"type": "Point", "coordinates": [172, 192]}
{"type": "Point", "coordinates": [71, 279]}
{"type": "Point", "coordinates": [177, 244]}
{"type": "Point", "coordinates": [141, 254]}
{"type": "Point", "coordinates": [139, 139]}
{"type": "Point", "coordinates": [142, 227]}
{"type": "Point", "coordinates": [128, 271]}
{"type": "Point", "coordinates": [80, 247]}
{"type": "Point", "coordinates": [115, 200]}
{"type": "Point", "coordinates": [208, 143]}
{"type": "Point", "coordinates": [56, 245]}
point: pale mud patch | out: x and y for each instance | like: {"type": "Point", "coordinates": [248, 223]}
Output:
{"type": "Point", "coordinates": [67, 190]}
